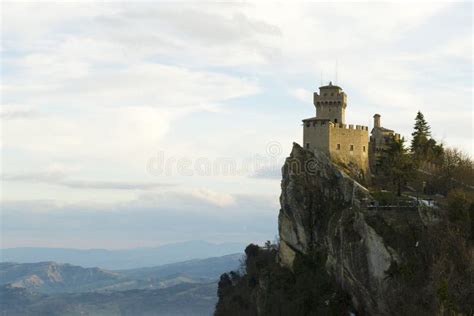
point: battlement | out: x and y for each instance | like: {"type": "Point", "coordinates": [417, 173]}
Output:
{"type": "Point", "coordinates": [349, 126]}
{"type": "Point", "coordinates": [330, 98]}
{"type": "Point", "coordinates": [318, 122]}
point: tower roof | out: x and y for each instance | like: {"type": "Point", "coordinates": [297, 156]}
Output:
{"type": "Point", "coordinates": [330, 86]}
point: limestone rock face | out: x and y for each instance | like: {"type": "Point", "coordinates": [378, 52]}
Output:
{"type": "Point", "coordinates": [323, 209]}
{"type": "Point", "coordinates": [339, 254]}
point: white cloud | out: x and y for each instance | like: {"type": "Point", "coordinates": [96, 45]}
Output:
{"type": "Point", "coordinates": [302, 95]}
{"type": "Point", "coordinates": [121, 116]}
{"type": "Point", "coordinates": [215, 198]}
{"type": "Point", "coordinates": [59, 178]}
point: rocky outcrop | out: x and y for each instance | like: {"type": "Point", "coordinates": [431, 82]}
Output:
{"type": "Point", "coordinates": [337, 250]}
{"type": "Point", "coordinates": [322, 209]}
{"type": "Point", "coordinates": [325, 210]}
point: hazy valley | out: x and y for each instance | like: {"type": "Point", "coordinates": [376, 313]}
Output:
{"type": "Point", "coordinates": [51, 288]}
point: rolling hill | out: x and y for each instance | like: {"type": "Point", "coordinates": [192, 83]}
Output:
{"type": "Point", "coordinates": [52, 277]}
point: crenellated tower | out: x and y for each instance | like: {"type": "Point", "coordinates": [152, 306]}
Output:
{"type": "Point", "coordinates": [331, 103]}
{"type": "Point", "coordinates": [328, 132]}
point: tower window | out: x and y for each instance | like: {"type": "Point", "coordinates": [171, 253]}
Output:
{"type": "Point", "coordinates": [363, 148]}
{"type": "Point", "coordinates": [335, 120]}
{"type": "Point", "coordinates": [352, 148]}
{"type": "Point", "coordinates": [338, 146]}
{"type": "Point", "coordinates": [307, 145]}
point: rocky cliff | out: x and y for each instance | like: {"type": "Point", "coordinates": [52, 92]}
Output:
{"type": "Point", "coordinates": [340, 253]}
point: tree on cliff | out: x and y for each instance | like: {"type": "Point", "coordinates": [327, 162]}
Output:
{"type": "Point", "coordinates": [420, 134]}
{"type": "Point", "coordinates": [396, 164]}
{"type": "Point", "coordinates": [423, 147]}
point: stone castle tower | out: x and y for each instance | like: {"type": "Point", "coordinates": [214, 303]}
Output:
{"type": "Point", "coordinates": [380, 138]}
{"type": "Point", "coordinates": [328, 132]}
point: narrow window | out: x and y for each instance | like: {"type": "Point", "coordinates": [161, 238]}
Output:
{"type": "Point", "coordinates": [352, 147]}
{"type": "Point", "coordinates": [338, 147]}
{"type": "Point", "coordinates": [363, 148]}
{"type": "Point", "coordinates": [307, 145]}
{"type": "Point", "coordinates": [335, 120]}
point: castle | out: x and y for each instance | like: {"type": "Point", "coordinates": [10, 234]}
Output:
{"type": "Point", "coordinates": [328, 131]}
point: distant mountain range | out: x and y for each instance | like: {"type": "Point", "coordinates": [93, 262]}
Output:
{"type": "Point", "coordinates": [122, 259]}
{"type": "Point", "coordinates": [52, 277]}
{"type": "Point", "coordinates": [50, 288]}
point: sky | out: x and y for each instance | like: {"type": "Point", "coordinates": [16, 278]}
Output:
{"type": "Point", "coordinates": [136, 125]}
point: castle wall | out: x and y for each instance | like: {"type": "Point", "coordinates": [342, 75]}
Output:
{"type": "Point", "coordinates": [316, 135]}
{"type": "Point", "coordinates": [342, 142]}
{"type": "Point", "coordinates": [350, 143]}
